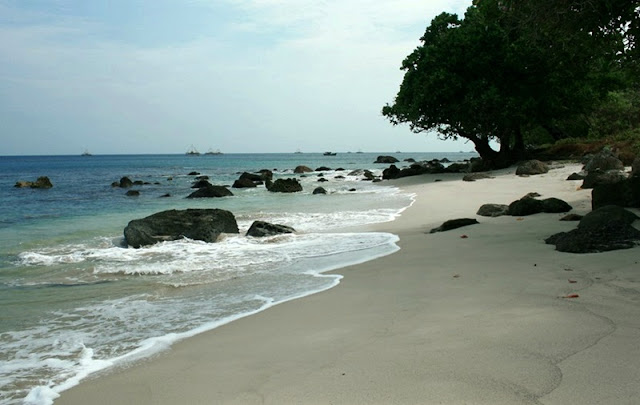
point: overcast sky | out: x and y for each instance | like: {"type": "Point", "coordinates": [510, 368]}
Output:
{"type": "Point", "coordinates": [156, 76]}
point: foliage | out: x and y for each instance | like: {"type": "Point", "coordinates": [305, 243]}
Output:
{"type": "Point", "coordinates": [516, 71]}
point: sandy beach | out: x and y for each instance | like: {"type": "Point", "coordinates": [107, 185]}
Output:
{"type": "Point", "coordinates": [445, 320]}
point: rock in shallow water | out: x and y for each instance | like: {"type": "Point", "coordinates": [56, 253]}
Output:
{"type": "Point", "coordinates": [198, 224]}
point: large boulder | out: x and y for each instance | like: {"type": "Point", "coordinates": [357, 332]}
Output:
{"type": "Point", "coordinates": [603, 229]}
{"type": "Point", "coordinates": [211, 191]}
{"type": "Point", "coordinates": [525, 206]}
{"type": "Point", "coordinates": [493, 210]}
{"type": "Point", "coordinates": [244, 183]}
{"type": "Point", "coordinates": [532, 167]}
{"type": "Point", "coordinates": [555, 206]}
{"type": "Point", "coordinates": [529, 206]}
{"type": "Point", "coordinates": [124, 182]}
{"type": "Point", "coordinates": [302, 169]}
{"type": "Point", "coordinates": [261, 228]}
{"type": "Point", "coordinates": [41, 182]}
{"type": "Point", "coordinates": [598, 177]}
{"type": "Point", "coordinates": [604, 160]}
{"type": "Point", "coordinates": [625, 193]}
{"type": "Point", "coordinates": [319, 190]}
{"type": "Point", "coordinates": [256, 178]}
{"type": "Point", "coordinates": [284, 186]}
{"type": "Point", "coordinates": [198, 224]}
{"type": "Point", "coordinates": [454, 224]}
{"type": "Point", "coordinates": [386, 159]}
{"type": "Point", "coordinates": [392, 172]}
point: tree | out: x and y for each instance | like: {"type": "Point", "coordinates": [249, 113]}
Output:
{"type": "Point", "coordinates": [495, 75]}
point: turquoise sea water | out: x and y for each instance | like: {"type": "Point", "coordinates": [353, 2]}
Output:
{"type": "Point", "coordinates": [75, 299]}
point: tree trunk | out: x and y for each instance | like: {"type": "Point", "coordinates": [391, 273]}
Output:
{"type": "Point", "coordinates": [492, 159]}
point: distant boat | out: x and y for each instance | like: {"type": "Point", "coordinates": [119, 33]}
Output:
{"type": "Point", "coordinates": [298, 151]}
{"type": "Point", "coordinates": [359, 151]}
{"type": "Point", "coordinates": [192, 151]}
{"type": "Point", "coordinates": [213, 152]}
{"type": "Point", "coordinates": [329, 153]}
{"type": "Point", "coordinates": [86, 153]}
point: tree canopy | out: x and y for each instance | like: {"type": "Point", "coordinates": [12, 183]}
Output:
{"type": "Point", "coordinates": [512, 66]}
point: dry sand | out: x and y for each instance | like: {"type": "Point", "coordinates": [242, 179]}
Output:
{"type": "Point", "coordinates": [445, 320]}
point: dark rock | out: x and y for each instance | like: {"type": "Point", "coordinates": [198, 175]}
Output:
{"type": "Point", "coordinates": [445, 160]}
{"type": "Point", "coordinates": [138, 183]}
{"type": "Point", "coordinates": [476, 176]}
{"type": "Point", "coordinates": [457, 168]}
{"type": "Point", "coordinates": [525, 206]}
{"type": "Point", "coordinates": [211, 191]}
{"type": "Point", "coordinates": [261, 228]}
{"type": "Point", "coordinates": [410, 160]}
{"type": "Point", "coordinates": [302, 169]}
{"type": "Point", "coordinates": [339, 177]}
{"type": "Point", "coordinates": [493, 210]}
{"type": "Point", "coordinates": [532, 167]}
{"type": "Point", "coordinates": [256, 178]}
{"type": "Point", "coordinates": [598, 177]}
{"type": "Point", "coordinates": [165, 195]}
{"type": "Point", "coordinates": [577, 176]}
{"type": "Point", "coordinates": [284, 186]}
{"type": "Point", "coordinates": [571, 217]}
{"type": "Point", "coordinates": [198, 224]}
{"type": "Point", "coordinates": [319, 190]}
{"type": "Point", "coordinates": [453, 224]}
{"type": "Point", "coordinates": [528, 205]}
{"type": "Point", "coordinates": [265, 174]}
{"type": "Point", "coordinates": [477, 165]}
{"type": "Point", "coordinates": [368, 175]}
{"type": "Point", "coordinates": [386, 159]}
{"type": "Point", "coordinates": [194, 174]}
{"type": "Point", "coordinates": [41, 182]}
{"type": "Point", "coordinates": [624, 193]}
{"type": "Point", "coordinates": [323, 169]}
{"type": "Point", "coordinates": [352, 189]}
{"type": "Point", "coordinates": [392, 172]}
{"type": "Point", "coordinates": [635, 167]}
{"type": "Point", "coordinates": [201, 184]}
{"type": "Point", "coordinates": [132, 193]}
{"type": "Point", "coordinates": [555, 205]}
{"type": "Point", "coordinates": [124, 182]}
{"type": "Point", "coordinates": [202, 178]}
{"type": "Point", "coordinates": [243, 183]}
{"type": "Point", "coordinates": [607, 228]}
{"type": "Point", "coordinates": [604, 160]}
{"type": "Point", "coordinates": [322, 180]}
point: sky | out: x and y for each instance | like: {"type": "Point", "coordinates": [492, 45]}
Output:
{"type": "Point", "coordinates": [240, 76]}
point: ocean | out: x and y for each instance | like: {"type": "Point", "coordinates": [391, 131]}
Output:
{"type": "Point", "coordinates": [75, 299]}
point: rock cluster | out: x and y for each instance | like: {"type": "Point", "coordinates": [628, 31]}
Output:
{"type": "Point", "coordinates": [41, 182]}
{"type": "Point", "coordinates": [284, 186]}
{"type": "Point", "coordinates": [603, 229]}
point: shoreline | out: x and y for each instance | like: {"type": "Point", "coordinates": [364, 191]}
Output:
{"type": "Point", "coordinates": [442, 320]}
